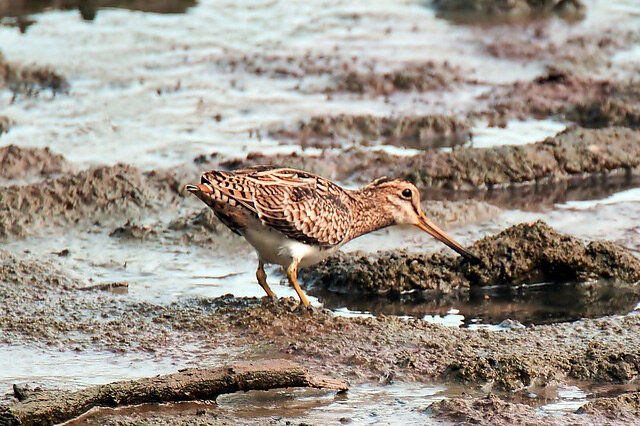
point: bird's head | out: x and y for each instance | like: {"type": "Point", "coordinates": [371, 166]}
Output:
{"type": "Point", "coordinates": [401, 201]}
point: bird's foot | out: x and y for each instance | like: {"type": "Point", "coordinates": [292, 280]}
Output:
{"type": "Point", "coordinates": [269, 300]}
{"type": "Point", "coordinates": [301, 308]}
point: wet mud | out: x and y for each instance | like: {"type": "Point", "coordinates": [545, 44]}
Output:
{"type": "Point", "coordinates": [424, 77]}
{"type": "Point", "coordinates": [425, 132]}
{"type": "Point", "coordinates": [540, 310]}
{"type": "Point", "coordinates": [495, 12]}
{"type": "Point", "coordinates": [573, 153]}
{"type": "Point", "coordinates": [18, 163]}
{"type": "Point", "coordinates": [101, 195]}
{"type": "Point", "coordinates": [624, 407]}
{"type": "Point", "coordinates": [520, 255]}
{"type": "Point", "coordinates": [339, 73]}
{"type": "Point", "coordinates": [88, 9]}
{"type": "Point", "coordinates": [30, 80]}
{"type": "Point", "coordinates": [495, 411]}
{"type": "Point", "coordinates": [579, 54]}
{"type": "Point", "coordinates": [5, 124]}
{"type": "Point", "coordinates": [583, 100]}
{"type": "Point", "coordinates": [45, 307]}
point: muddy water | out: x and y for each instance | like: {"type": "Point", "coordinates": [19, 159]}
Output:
{"type": "Point", "coordinates": [148, 89]}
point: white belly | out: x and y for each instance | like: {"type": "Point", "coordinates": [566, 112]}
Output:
{"type": "Point", "coordinates": [274, 247]}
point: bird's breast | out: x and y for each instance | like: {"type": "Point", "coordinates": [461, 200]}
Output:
{"type": "Point", "coordinates": [274, 247]}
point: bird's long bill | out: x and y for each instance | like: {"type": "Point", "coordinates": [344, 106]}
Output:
{"type": "Point", "coordinates": [430, 228]}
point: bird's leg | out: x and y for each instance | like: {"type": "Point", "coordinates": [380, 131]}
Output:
{"type": "Point", "coordinates": [292, 274]}
{"type": "Point", "coordinates": [262, 280]}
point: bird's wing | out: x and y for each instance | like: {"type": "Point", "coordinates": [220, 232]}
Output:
{"type": "Point", "coordinates": [301, 205]}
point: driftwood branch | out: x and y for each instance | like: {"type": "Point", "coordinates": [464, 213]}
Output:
{"type": "Point", "coordinates": [50, 407]}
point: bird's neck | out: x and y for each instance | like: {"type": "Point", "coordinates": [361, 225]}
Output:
{"type": "Point", "coordinates": [368, 213]}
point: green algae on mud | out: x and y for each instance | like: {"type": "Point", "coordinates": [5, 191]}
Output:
{"type": "Point", "coordinates": [522, 254]}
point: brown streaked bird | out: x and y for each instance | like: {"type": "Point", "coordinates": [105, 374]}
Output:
{"type": "Point", "coordinates": [296, 219]}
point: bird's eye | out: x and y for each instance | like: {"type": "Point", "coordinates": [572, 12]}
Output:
{"type": "Point", "coordinates": [406, 193]}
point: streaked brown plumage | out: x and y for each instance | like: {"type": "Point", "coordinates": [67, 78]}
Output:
{"type": "Point", "coordinates": [295, 218]}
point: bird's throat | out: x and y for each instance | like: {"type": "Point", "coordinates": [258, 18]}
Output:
{"type": "Point", "coordinates": [368, 214]}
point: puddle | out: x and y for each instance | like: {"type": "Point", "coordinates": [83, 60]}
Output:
{"type": "Point", "coordinates": [570, 398]}
{"type": "Point", "coordinates": [362, 404]}
{"type": "Point", "coordinates": [628, 196]}
{"type": "Point", "coordinates": [514, 133]}
{"type": "Point", "coordinates": [498, 308]}
{"type": "Point", "coordinates": [68, 369]}
{"type": "Point", "coordinates": [155, 272]}
{"type": "Point", "coordinates": [542, 197]}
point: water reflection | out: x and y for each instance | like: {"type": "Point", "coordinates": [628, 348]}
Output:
{"type": "Point", "coordinates": [543, 303]}
{"type": "Point", "coordinates": [19, 9]}
{"type": "Point", "coordinates": [542, 196]}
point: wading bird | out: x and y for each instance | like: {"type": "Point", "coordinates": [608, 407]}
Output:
{"type": "Point", "coordinates": [296, 219]}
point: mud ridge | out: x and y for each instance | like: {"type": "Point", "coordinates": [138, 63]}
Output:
{"type": "Point", "coordinates": [411, 78]}
{"type": "Point", "coordinates": [106, 193]}
{"type": "Point", "coordinates": [44, 307]}
{"type": "Point", "coordinates": [420, 132]}
{"type": "Point", "coordinates": [586, 101]}
{"type": "Point", "coordinates": [521, 254]}
{"type": "Point", "coordinates": [57, 406]}
{"type": "Point", "coordinates": [491, 11]}
{"type": "Point", "coordinates": [341, 73]}
{"type": "Point", "coordinates": [5, 124]}
{"type": "Point", "coordinates": [622, 407]}
{"type": "Point", "coordinates": [30, 80]}
{"type": "Point", "coordinates": [575, 153]}
{"type": "Point", "coordinates": [23, 163]}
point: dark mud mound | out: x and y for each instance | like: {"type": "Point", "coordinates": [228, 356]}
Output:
{"type": "Point", "coordinates": [335, 73]}
{"type": "Point", "coordinates": [575, 153]}
{"type": "Point", "coordinates": [586, 101]}
{"type": "Point", "coordinates": [497, 11]}
{"type": "Point", "coordinates": [533, 253]}
{"type": "Point", "coordinates": [490, 410]}
{"type": "Point", "coordinates": [202, 228]}
{"type": "Point", "coordinates": [102, 193]}
{"type": "Point", "coordinates": [624, 407]}
{"type": "Point", "coordinates": [30, 80]}
{"type": "Point", "coordinates": [5, 124]}
{"type": "Point", "coordinates": [21, 163]}
{"type": "Point", "coordinates": [412, 77]}
{"type": "Point", "coordinates": [522, 254]}
{"type": "Point", "coordinates": [421, 132]}
{"type": "Point", "coordinates": [88, 9]}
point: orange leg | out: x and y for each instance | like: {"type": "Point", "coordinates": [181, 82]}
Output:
{"type": "Point", "coordinates": [292, 275]}
{"type": "Point", "coordinates": [262, 280]}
